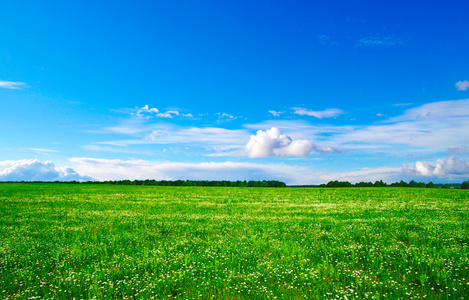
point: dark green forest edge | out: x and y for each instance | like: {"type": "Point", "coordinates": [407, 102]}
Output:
{"type": "Point", "coordinates": [412, 183]}
{"type": "Point", "coordinates": [264, 183]}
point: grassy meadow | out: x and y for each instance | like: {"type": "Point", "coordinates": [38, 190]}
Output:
{"type": "Point", "coordinates": [65, 241]}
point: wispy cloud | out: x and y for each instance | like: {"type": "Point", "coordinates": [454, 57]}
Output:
{"type": "Point", "coordinates": [325, 40]}
{"type": "Point", "coordinates": [211, 135]}
{"type": "Point", "coordinates": [276, 113]}
{"type": "Point", "coordinates": [12, 85]}
{"type": "Point", "coordinates": [37, 150]}
{"type": "Point", "coordinates": [379, 41]}
{"type": "Point", "coordinates": [114, 149]}
{"type": "Point", "coordinates": [224, 117]}
{"type": "Point", "coordinates": [172, 134]}
{"type": "Point", "coordinates": [436, 111]}
{"type": "Point", "coordinates": [328, 113]}
{"type": "Point", "coordinates": [427, 128]}
{"type": "Point", "coordinates": [462, 85]}
{"type": "Point", "coordinates": [387, 174]}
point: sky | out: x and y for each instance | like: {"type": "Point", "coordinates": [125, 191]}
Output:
{"type": "Point", "coordinates": [299, 91]}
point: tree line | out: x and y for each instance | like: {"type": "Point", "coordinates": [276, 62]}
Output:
{"type": "Point", "coordinates": [153, 182]}
{"type": "Point", "coordinates": [412, 183]}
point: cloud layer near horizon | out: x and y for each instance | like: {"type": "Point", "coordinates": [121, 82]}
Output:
{"type": "Point", "coordinates": [449, 169]}
{"type": "Point", "coordinates": [35, 170]}
{"type": "Point", "coordinates": [116, 169]}
{"type": "Point", "coordinates": [452, 167]}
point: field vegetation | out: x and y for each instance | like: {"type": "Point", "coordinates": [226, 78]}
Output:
{"type": "Point", "coordinates": [65, 241]}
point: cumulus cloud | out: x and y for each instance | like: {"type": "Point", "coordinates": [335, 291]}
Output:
{"type": "Point", "coordinates": [449, 167]}
{"type": "Point", "coordinates": [12, 85]}
{"type": "Point", "coordinates": [35, 170]}
{"type": "Point", "coordinates": [146, 112]}
{"type": "Point", "coordinates": [274, 143]}
{"type": "Point", "coordinates": [462, 85]}
{"type": "Point", "coordinates": [328, 113]}
{"type": "Point", "coordinates": [168, 114]}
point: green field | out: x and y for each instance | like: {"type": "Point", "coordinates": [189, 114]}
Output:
{"type": "Point", "coordinates": [65, 241]}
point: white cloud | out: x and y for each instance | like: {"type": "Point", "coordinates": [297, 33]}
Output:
{"type": "Point", "coordinates": [145, 111]}
{"type": "Point", "coordinates": [115, 169]}
{"type": "Point", "coordinates": [432, 127]}
{"type": "Point", "coordinates": [276, 113]}
{"type": "Point", "coordinates": [107, 169]}
{"type": "Point", "coordinates": [327, 150]}
{"type": "Point", "coordinates": [387, 174]}
{"type": "Point", "coordinates": [212, 135]}
{"type": "Point", "coordinates": [12, 85]}
{"type": "Point", "coordinates": [273, 143]}
{"type": "Point", "coordinates": [168, 114]}
{"type": "Point", "coordinates": [379, 41]}
{"type": "Point", "coordinates": [35, 170]}
{"type": "Point", "coordinates": [462, 85]}
{"type": "Point", "coordinates": [37, 150]}
{"type": "Point", "coordinates": [224, 117]}
{"type": "Point", "coordinates": [328, 113]}
{"type": "Point", "coordinates": [436, 111]}
{"type": "Point", "coordinates": [427, 128]}
{"type": "Point", "coordinates": [449, 167]}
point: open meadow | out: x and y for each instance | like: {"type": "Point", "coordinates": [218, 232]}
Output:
{"type": "Point", "coordinates": [65, 241]}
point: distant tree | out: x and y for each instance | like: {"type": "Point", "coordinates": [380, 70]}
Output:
{"type": "Point", "coordinates": [431, 185]}
{"type": "Point", "coordinates": [364, 184]}
{"type": "Point", "coordinates": [465, 185]}
{"type": "Point", "coordinates": [337, 183]}
{"type": "Point", "coordinates": [379, 184]}
{"type": "Point", "coordinates": [444, 186]}
{"type": "Point", "coordinates": [400, 184]}
{"type": "Point", "coordinates": [413, 183]}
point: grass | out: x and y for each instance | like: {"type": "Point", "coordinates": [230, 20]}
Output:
{"type": "Point", "coordinates": [65, 241]}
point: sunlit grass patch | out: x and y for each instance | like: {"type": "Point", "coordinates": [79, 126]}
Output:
{"type": "Point", "coordinates": [137, 242]}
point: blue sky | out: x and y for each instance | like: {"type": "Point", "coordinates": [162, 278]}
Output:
{"type": "Point", "coordinates": [295, 91]}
